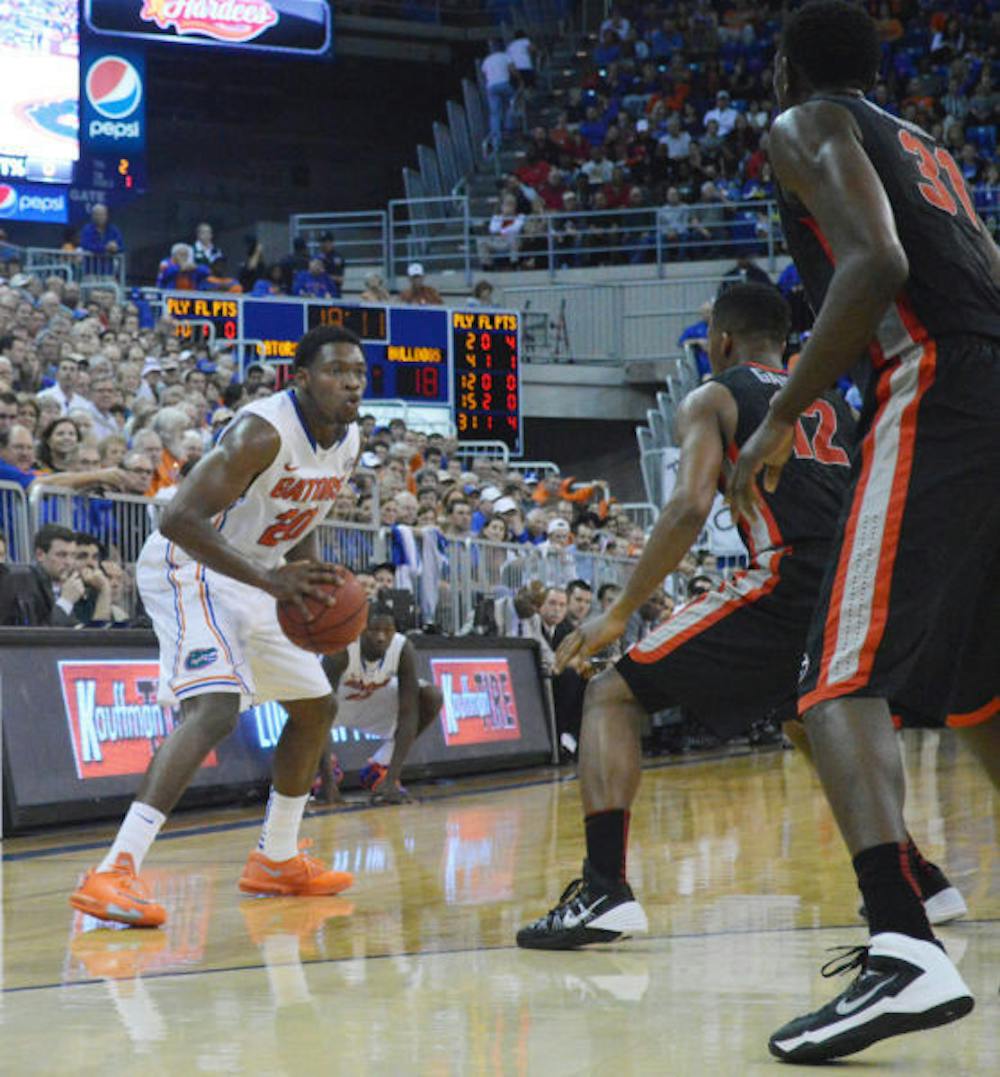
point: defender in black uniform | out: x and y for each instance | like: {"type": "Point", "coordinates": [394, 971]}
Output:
{"type": "Point", "coordinates": [732, 655]}
{"type": "Point", "coordinates": [904, 277]}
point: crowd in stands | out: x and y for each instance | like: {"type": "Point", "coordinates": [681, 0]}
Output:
{"type": "Point", "coordinates": [97, 398]}
{"type": "Point", "coordinates": [664, 129]}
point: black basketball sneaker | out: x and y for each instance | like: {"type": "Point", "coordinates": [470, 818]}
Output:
{"type": "Point", "coordinates": [591, 909]}
{"type": "Point", "coordinates": [942, 901]}
{"type": "Point", "coordinates": [904, 985]}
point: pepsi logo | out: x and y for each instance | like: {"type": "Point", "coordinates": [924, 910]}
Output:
{"type": "Point", "coordinates": [113, 87]}
{"type": "Point", "coordinates": [8, 200]}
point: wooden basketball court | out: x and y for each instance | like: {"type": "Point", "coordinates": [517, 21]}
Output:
{"type": "Point", "coordinates": [736, 859]}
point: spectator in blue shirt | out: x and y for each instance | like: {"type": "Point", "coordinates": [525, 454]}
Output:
{"type": "Point", "coordinates": [697, 334]}
{"type": "Point", "coordinates": [17, 454]}
{"type": "Point", "coordinates": [179, 272]}
{"type": "Point", "coordinates": [99, 236]}
{"type": "Point", "coordinates": [609, 50]}
{"type": "Point", "coordinates": [594, 128]}
{"type": "Point", "coordinates": [315, 282]}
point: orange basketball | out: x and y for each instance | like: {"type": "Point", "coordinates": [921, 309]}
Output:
{"type": "Point", "coordinates": [332, 628]}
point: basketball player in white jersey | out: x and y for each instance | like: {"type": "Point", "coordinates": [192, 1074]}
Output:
{"type": "Point", "coordinates": [378, 692]}
{"type": "Point", "coordinates": [239, 535]}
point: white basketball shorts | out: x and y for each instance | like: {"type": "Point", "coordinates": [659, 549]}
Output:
{"type": "Point", "coordinates": [219, 635]}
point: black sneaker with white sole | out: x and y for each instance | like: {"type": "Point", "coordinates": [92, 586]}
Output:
{"type": "Point", "coordinates": [942, 901]}
{"type": "Point", "coordinates": [904, 985]}
{"type": "Point", "coordinates": [591, 909]}
{"type": "Point", "coordinates": [941, 908]}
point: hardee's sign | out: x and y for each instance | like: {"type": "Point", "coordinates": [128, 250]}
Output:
{"type": "Point", "coordinates": [223, 20]}
{"type": "Point", "coordinates": [115, 723]}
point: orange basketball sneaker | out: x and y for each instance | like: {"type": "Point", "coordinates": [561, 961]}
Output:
{"type": "Point", "coordinates": [118, 894]}
{"type": "Point", "coordinates": [302, 876]}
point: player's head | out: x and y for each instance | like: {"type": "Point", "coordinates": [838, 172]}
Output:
{"type": "Point", "coordinates": [378, 632]}
{"type": "Point", "coordinates": [826, 45]}
{"type": "Point", "coordinates": [330, 370]}
{"type": "Point", "coordinates": [748, 322]}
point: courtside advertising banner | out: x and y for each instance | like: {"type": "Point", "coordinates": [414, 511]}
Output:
{"type": "Point", "coordinates": [80, 723]}
{"type": "Point", "coordinates": [479, 702]}
{"type": "Point", "coordinates": [115, 723]}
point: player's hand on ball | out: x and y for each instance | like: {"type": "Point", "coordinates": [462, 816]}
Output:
{"type": "Point", "coordinates": [300, 579]}
{"type": "Point", "coordinates": [768, 448]}
{"type": "Point", "coordinates": [587, 640]}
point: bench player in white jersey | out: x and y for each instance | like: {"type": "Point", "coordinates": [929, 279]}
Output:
{"type": "Point", "coordinates": [378, 691]}
{"type": "Point", "coordinates": [240, 534]}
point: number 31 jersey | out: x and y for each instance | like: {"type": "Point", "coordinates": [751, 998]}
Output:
{"type": "Point", "coordinates": [951, 287]}
{"type": "Point", "coordinates": [294, 495]}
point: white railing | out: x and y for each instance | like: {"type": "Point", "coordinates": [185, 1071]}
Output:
{"type": "Point", "coordinates": [15, 521]}
{"type": "Point", "coordinates": [78, 265]}
{"type": "Point", "coordinates": [449, 576]}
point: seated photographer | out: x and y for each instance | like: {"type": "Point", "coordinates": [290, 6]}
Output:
{"type": "Point", "coordinates": [378, 691]}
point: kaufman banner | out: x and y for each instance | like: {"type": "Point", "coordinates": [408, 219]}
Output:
{"type": "Point", "coordinates": [80, 722]}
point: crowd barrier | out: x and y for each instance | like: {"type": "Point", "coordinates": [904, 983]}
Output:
{"type": "Point", "coordinates": [448, 577]}
{"type": "Point", "coordinates": [80, 266]}
{"type": "Point", "coordinates": [80, 722]}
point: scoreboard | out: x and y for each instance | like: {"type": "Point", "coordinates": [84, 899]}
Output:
{"type": "Point", "coordinates": [465, 360]}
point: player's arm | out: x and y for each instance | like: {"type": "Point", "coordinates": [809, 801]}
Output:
{"type": "Point", "coordinates": [706, 423]}
{"type": "Point", "coordinates": [406, 722]}
{"type": "Point", "coordinates": [817, 156]}
{"type": "Point", "coordinates": [219, 479]}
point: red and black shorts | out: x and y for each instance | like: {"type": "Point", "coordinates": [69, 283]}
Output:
{"type": "Point", "coordinates": [733, 655]}
{"type": "Point", "coordinates": [909, 609]}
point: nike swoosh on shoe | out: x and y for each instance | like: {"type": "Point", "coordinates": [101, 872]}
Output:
{"type": "Point", "coordinates": [844, 1007]}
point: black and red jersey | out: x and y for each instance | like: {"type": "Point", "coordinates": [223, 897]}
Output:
{"type": "Point", "coordinates": [951, 289]}
{"type": "Point", "coordinates": [809, 498]}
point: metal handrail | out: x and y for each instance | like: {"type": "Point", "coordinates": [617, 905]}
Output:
{"type": "Point", "coordinates": [79, 265]}
{"type": "Point", "coordinates": [15, 521]}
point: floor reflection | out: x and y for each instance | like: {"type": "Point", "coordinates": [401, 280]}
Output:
{"type": "Point", "coordinates": [413, 970]}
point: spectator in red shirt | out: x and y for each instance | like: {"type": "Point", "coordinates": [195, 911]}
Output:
{"type": "Point", "coordinates": [551, 192]}
{"type": "Point", "coordinates": [616, 192]}
{"type": "Point", "coordinates": [535, 170]}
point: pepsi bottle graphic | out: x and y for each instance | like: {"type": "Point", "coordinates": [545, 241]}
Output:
{"type": "Point", "coordinates": [270, 25]}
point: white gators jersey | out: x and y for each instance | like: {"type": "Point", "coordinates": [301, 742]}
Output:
{"type": "Point", "coordinates": [362, 679]}
{"type": "Point", "coordinates": [295, 494]}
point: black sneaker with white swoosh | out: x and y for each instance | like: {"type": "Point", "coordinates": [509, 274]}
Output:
{"type": "Point", "coordinates": [904, 985]}
{"type": "Point", "coordinates": [591, 909]}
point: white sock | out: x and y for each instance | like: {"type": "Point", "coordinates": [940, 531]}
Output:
{"type": "Point", "coordinates": [136, 834]}
{"type": "Point", "coordinates": [384, 754]}
{"type": "Point", "coordinates": [279, 839]}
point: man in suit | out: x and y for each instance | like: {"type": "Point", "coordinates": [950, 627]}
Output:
{"type": "Point", "coordinates": [44, 593]}
{"type": "Point", "coordinates": [553, 613]}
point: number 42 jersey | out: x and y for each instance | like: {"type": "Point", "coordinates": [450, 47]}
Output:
{"type": "Point", "coordinates": [293, 496]}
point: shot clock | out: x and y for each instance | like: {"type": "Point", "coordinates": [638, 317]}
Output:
{"type": "Point", "coordinates": [465, 361]}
